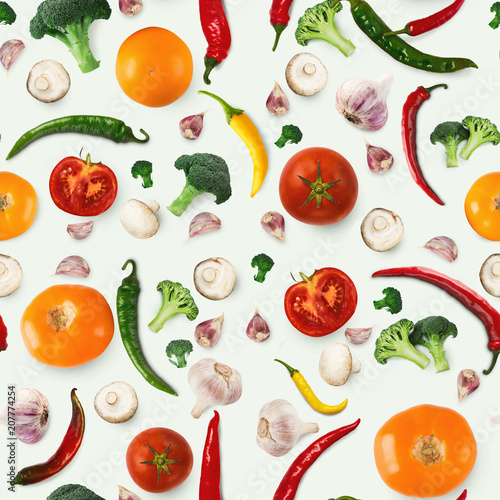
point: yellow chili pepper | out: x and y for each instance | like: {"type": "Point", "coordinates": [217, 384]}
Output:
{"type": "Point", "coordinates": [249, 134]}
{"type": "Point", "coordinates": [307, 392]}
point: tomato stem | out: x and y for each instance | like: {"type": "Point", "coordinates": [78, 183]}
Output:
{"type": "Point", "coordinates": [319, 189]}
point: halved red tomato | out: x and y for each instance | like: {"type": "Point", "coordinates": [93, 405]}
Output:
{"type": "Point", "coordinates": [321, 303]}
{"type": "Point", "coordinates": [81, 187]}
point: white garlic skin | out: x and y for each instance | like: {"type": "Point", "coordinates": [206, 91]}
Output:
{"type": "Point", "coordinates": [280, 427]}
{"type": "Point", "coordinates": [214, 384]}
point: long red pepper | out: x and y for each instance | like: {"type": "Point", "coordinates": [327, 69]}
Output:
{"type": "Point", "coordinates": [468, 297]}
{"type": "Point", "coordinates": [217, 34]}
{"type": "Point", "coordinates": [210, 465]}
{"type": "Point", "coordinates": [463, 496]}
{"type": "Point", "coordinates": [290, 482]}
{"type": "Point", "coordinates": [3, 335]}
{"type": "Point", "coordinates": [280, 17]}
{"type": "Point", "coordinates": [420, 26]}
{"type": "Point", "coordinates": [64, 454]}
{"type": "Point", "coordinates": [409, 133]}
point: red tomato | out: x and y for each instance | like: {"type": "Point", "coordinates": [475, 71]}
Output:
{"type": "Point", "coordinates": [159, 459]}
{"type": "Point", "coordinates": [82, 188]}
{"type": "Point", "coordinates": [318, 186]}
{"type": "Point", "coordinates": [321, 303]}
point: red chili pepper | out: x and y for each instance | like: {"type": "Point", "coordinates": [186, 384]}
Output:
{"type": "Point", "coordinates": [64, 454]}
{"type": "Point", "coordinates": [409, 132]}
{"type": "Point", "coordinates": [3, 335]}
{"type": "Point", "coordinates": [210, 465]}
{"type": "Point", "coordinates": [468, 297]}
{"type": "Point", "coordinates": [463, 496]}
{"type": "Point", "coordinates": [290, 482]}
{"type": "Point", "coordinates": [217, 34]}
{"type": "Point", "coordinates": [414, 28]}
{"type": "Point", "coordinates": [279, 17]}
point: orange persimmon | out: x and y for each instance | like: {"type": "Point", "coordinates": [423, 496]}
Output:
{"type": "Point", "coordinates": [425, 451]}
{"type": "Point", "coordinates": [67, 325]}
{"type": "Point", "coordinates": [18, 203]}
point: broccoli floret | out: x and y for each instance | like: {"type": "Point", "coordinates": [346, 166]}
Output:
{"type": "Point", "coordinates": [73, 492]}
{"type": "Point", "coordinates": [290, 134]}
{"type": "Point", "coordinates": [481, 131]}
{"type": "Point", "coordinates": [450, 134]}
{"type": "Point", "coordinates": [394, 342]}
{"type": "Point", "coordinates": [7, 14]}
{"type": "Point", "coordinates": [431, 332]}
{"type": "Point", "coordinates": [143, 169]}
{"type": "Point", "coordinates": [69, 22]}
{"type": "Point", "coordinates": [391, 302]}
{"type": "Point", "coordinates": [205, 173]}
{"type": "Point", "coordinates": [264, 264]}
{"type": "Point", "coordinates": [318, 23]}
{"type": "Point", "coordinates": [179, 349]}
{"type": "Point", "coordinates": [176, 300]}
{"type": "Point", "coordinates": [495, 8]}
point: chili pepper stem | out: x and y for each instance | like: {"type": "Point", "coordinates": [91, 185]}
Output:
{"type": "Point", "coordinates": [210, 64]}
{"type": "Point", "coordinates": [404, 31]}
{"type": "Point", "coordinates": [493, 363]}
{"type": "Point", "coordinates": [279, 28]}
{"type": "Point", "coordinates": [292, 371]}
{"type": "Point", "coordinates": [430, 89]}
{"type": "Point", "coordinates": [228, 109]}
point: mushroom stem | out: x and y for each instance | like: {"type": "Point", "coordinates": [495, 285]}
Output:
{"type": "Point", "coordinates": [496, 269]}
{"type": "Point", "coordinates": [379, 223]}
{"type": "Point", "coordinates": [309, 69]}
{"type": "Point", "coordinates": [41, 83]}
{"type": "Point", "coordinates": [209, 274]}
{"type": "Point", "coordinates": [3, 268]}
{"type": "Point", "coordinates": [111, 398]}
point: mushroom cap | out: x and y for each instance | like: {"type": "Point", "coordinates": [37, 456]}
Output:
{"type": "Point", "coordinates": [335, 364]}
{"type": "Point", "coordinates": [382, 229]}
{"type": "Point", "coordinates": [11, 275]}
{"type": "Point", "coordinates": [305, 74]}
{"type": "Point", "coordinates": [214, 278]}
{"type": "Point", "coordinates": [48, 81]}
{"type": "Point", "coordinates": [116, 402]}
{"type": "Point", "coordinates": [138, 219]}
{"type": "Point", "coordinates": [489, 275]}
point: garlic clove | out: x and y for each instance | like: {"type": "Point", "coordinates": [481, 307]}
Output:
{"type": "Point", "coordinates": [80, 230]}
{"type": "Point", "coordinates": [202, 223]}
{"type": "Point", "coordinates": [444, 247]}
{"type": "Point", "coordinates": [467, 383]}
{"type": "Point", "coordinates": [358, 336]}
{"type": "Point", "coordinates": [277, 102]}
{"type": "Point", "coordinates": [9, 51]}
{"type": "Point", "coordinates": [379, 159]}
{"type": "Point", "coordinates": [273, 223]}
{"type": "Point", "coordinates": [258, 329]}
{"type": "Point", "coordinates": [207, 333]}
{"type": "Point", "coordinates": [126, 494]}
{"type": "Point", "coordinates": [130, 7]}
{"type": "Point", "coordinates": [73, 265]}
{"type": "Point", "coordinates": [191, 126]}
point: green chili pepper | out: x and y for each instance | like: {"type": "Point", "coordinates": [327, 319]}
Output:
{"type": "Point", "coordinates": [102, 126]}
{"type": "Point", "coordinates": [374, 27]}
{"type": "Point", "coordinates": [127, 297]}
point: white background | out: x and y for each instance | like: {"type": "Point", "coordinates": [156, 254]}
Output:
{"type": "Point", "coordinates": [245, 80]}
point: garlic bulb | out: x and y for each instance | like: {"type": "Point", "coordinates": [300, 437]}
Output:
{"type": "Point", "coordinates": [31, 415]}
{"type": "Point", "coordinates": [214, 384]}
{"type": "Point", "coordinates": [363, 102]}
{"type": "Point", "coordinates": [279, 427]}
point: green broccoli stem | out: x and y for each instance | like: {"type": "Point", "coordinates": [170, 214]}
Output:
{"type": "Point", "coordinates": [167, 310]}
{"type": "Point", "coordinates": [411, 354]}
{"type": "Point", "coordinates": [181, 361]}
{"type": "Point", "coordinates": [147, 182]}
{"type": "Point", "coordinates": [260, 276]}
{"type": "Point", "coordinates": [470, 147]}
{"type": "Point", "coordinates": [451, 156]}
{"type": "Point", "coordinates": [182, 202]}
{"type": "Point", "coordinates": [281, 141]}
{"type": "Point", "coordinates": [495, 23]}
{"type": "Point", "coordinates": [77, 41]}
{"type": "Point", "coordinates": [380, 304]}
{"type": "Point", "coordinates": [439, 357]}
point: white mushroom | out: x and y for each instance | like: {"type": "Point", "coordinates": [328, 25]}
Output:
{"type": "Point", "coordinates": [214, 278]}
{"type": "Point", "coordinates": [336, 364]}
{"type": "Point", "coordinates": [48, 81]}
{"type": "Point", "coordinates": [306, 74]}
{"type": "Point", "coordinates": [490, 275]}
{"type": "Point", "coordinates": [116, 402]}
{"type": "Point", "coordinates": [139, 218]}
{"type": "Point", "coordinates": [11, 275]}
{"type": "Point", "coordinates": [382, 229]}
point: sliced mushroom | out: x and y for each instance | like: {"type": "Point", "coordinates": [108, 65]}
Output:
{"type": "Point", "coordinates": [305, 74]}
{"type": "Point", "coordinates": [116, 402]}
{"type": "Point", "coordinates": [382, 229]}
{"type": "Point", "coordinates": [336, 364]}
{"type": "Point", "coordinates": [139, 218]}
{"type": "Point", "coordinates": [214, 278]}
{"type": "Point", "coordinates": [48, 81]}
{"type": "Point", "coordinates": [11, 275]}
{"type": "Point", "coordinates": [490, 275]}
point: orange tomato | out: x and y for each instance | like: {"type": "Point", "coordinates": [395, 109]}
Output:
{"type": "Point", "coordinates": [482, 206]}
{"type": "Point", "coordinates": [67, 325]}
{"type": "Point", "coordinates": [154, 67]}
{"type": "Point", "coordinates": [425, 451]}
{"type": "Point", "coordinates": [18, 203]}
